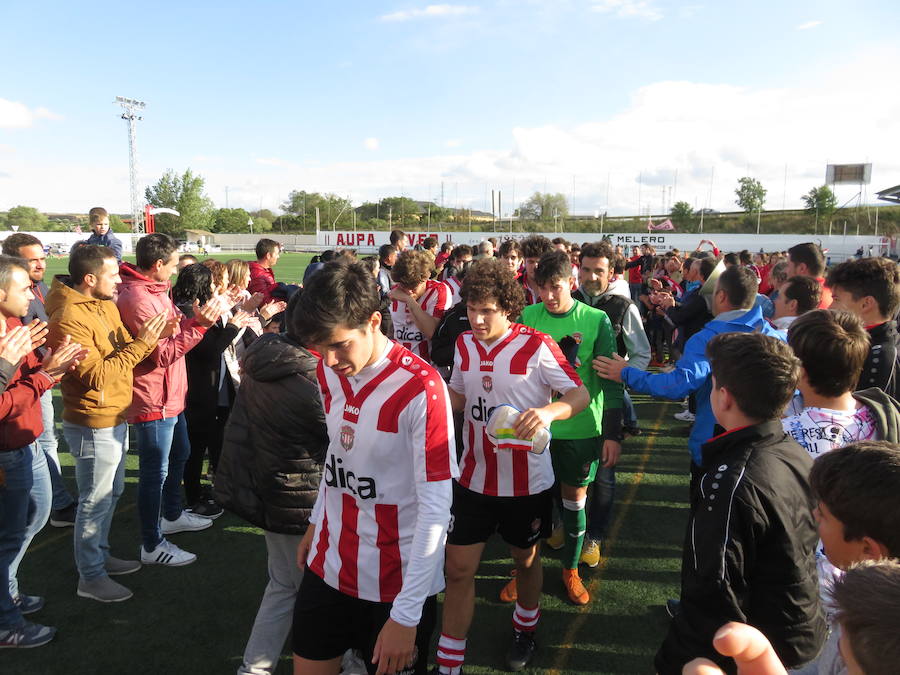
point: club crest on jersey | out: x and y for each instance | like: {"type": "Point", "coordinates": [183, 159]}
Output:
{"type": "Point", "coordinates": [347, 436]}
{"type": "Point", "coordinates": [406, 360]}
{"type": "Point", "coordinates": [487, 383]}
{"type": "Point", "coordinates": [578, 337]}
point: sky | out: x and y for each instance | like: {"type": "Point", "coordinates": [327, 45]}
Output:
{"type": "Point", "coordinates": [624, 106]}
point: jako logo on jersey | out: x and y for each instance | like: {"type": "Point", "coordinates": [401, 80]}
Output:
{"type": "Point", "coordinates": [487, 383]}
{"type": "Point", "coordinates": [480, 411]}
{"type": "Point", "coordinates": [487, 364]}
{"type": "Point", "coordinates": [347, 436]}
{"type": "Point", "coordinates": [352, 409]}
{"type": "Point", "coordinates": [335, 476]}
{"type": "Point", "coordinates": [406, 335]}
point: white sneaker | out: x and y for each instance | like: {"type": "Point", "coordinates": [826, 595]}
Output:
{"type": "Point", "coordinates": [685, 416]}
{"type": "Point", "coordinates": [167, 553]}
{"type": "Point", "coordinates": [186, 522]}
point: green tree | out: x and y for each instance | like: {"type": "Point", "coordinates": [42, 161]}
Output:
{"type": "Point", "coordinates": [681, 213]}
{"type": "Point", "coordinates": [261, 224]}
{"type": "Point", "coordinates": [333, 209]}
{"type": "Point", "coordinates": [26, 218]}
{"type": "Point", "coordinates": [116, 224]}
{"type": "Point", "coordinates": [231, 220]}
{"type": "Point", "coordinates": [821, 201]}
{"type": "Point", "coordinates": [751, 195]}
{"type": "Point", "coordinates": [184, 193]}
{"type": "Point", "coordinates": [544, 206]}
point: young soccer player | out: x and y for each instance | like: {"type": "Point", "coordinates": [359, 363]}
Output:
{"type": "Point", "coordinates": [374, 550]}
{"type": "Point", "coordinates": [533, 248]}
{"type": "Point", "coordinates": [501, 490]}
{"type": "Point", "coordinates": [418, 302]}
{"type": "Point", "coordinates": [577, 445]}
{"type": "Point", "coordinates": [750, 539]}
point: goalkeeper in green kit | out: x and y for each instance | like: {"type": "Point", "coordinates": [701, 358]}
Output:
{"type": "Point", "coordinates": [578, 443]}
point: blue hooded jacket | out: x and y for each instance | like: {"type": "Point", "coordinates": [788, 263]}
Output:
{"type": "Point", "coordinates": [692, 374]}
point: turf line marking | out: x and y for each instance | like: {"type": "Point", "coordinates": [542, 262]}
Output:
{"type": "Point", "coordinates": [67, 531]}
{"type": "Point", "coordinates": [594, 585]}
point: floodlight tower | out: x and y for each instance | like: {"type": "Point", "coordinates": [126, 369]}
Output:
{"type": "Point", "coordinates": [131, 108]}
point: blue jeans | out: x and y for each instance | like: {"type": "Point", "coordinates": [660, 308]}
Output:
{"type": "Point", "coordinates": [600, 505]}
{"type": "Point", "coordinates": [163, 449]}
{"type": "Point", "coordinates": [47, 441]}
{"type": "Point", "coordinates": [100, 473]}
{"type": "Point", "coordinates": [24, 509]}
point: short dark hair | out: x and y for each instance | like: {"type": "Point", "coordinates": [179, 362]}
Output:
{"type": "Point", "coordinates": [740, 286]}
{"type": "Point", "coordinates": [510, 246]}
{"type": "Point", "coordinates": [153, 247]}
{"type": "Point", "coordinates": [397, 235]}
{"type": "Point", "coordinates": [412, 268]}
{"type": "Point", "coordinates": [429, 243]}
{"type": "Point", "coordinates": [809, 254]}
{"type": "Point", "coordinates": [730, 259]}
{"type": "Point", "coordinates": [16, 241]}
{"type": "Point", "coordinates": [553, 266]}
{"type": "Point", "coordinates": [96, 214]}
{"type": "Point", "coordinates": [619, 264]}
{"type": "Point", "coordinates": [193, 283]}
{"type": "Point", "coordinates": [775, 371]}
{"type": "Point", "coordinates": [868, 601]}
{"type": "Point", "coordinates": [266, 246]}
{"type": "Point", "coordinates": [88, 259]}
{"type": "Point", "coordinates": [535, 246]}
{"type": "Point", "coordinates": [7, 264]}
{"type": "Point", "coordinates": [292, 316]}
{"type": "Point", "coordinates": [460, 251]}
{"type": "Point", "coordinates": [385, 250]}
{"type": "Point", "coordinates": [446, 247]}
{"type": "Point", "coordinates": [707, 265]}
{"type": "Point", "coordinates": [745, 257]}
{"type": "Point", "coordinates": [370, 262]}
{"type": "Point", "coordinates": [860, 485]}
{"type": "Point", "coordinates": [878, 277]}
{"type": "Point", "coordinates": [597, 249]}
{"type": "Point", "coordinates": [832, 345]}
{"type": "Point", "coordinates": [805, 290]}
{"type": "Point", "coordinates": [339, 294]}
{"type": "Point", "coordinates": [490, 278]}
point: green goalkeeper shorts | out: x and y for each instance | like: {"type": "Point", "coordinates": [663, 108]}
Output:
{"type": "Point", "coordinates": [575, 460]}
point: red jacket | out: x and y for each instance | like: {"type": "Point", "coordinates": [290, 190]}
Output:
{"type": "Point", "coordinates": [20, 404]}
{"type": "Point", "coordinates": [262, 280]}
{"type": "Point", "coordinates": [160, 380]}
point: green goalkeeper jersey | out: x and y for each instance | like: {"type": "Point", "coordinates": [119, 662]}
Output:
{"type": "Point", "coordinates": [593, 332]}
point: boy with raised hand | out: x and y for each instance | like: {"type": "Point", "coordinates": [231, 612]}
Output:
{"type": "Point", "coordinates": [374, 550]}
{"type": "Point", "coordinates": [577, 446]}
{"type": "Point", "coordinates": [750, 540]}
{"type": "Point", "coordinates": [501, 490]}
{"type": "Point", "coordinates": [870, 288]}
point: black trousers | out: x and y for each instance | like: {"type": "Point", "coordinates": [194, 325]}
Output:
{"type": "Point", "coordinates": [205, 433]}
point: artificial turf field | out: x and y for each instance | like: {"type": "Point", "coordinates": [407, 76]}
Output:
{"type": "Point", "coordinates": [196, 619]}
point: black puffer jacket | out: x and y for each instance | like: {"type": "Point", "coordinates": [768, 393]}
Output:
{"type": "Point", "coordinates": [880, 368]}
{"type": "Point", "coordinates": [749, 551]}
{"type": "Point", "coordinates": [276, 438]}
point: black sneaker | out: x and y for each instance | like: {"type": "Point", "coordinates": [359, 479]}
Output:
{"type": "Point", "coordinates": [521, 650]}
{"type": "Point", "coordinates": [206, 508]}
{"type": "Point", "coordinates": [64, 517]}
{"type": "Point", "coordinates": [631, 431]}
{"type": "Point", "coordinates": [673, 607]}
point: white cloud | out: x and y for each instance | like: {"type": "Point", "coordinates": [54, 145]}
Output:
{"type": "Point", "coordinates": [809, 24]}
{"type": "Point", "coordinates": [273, 161]}
{"type": "Point", "coordinates": [430, 12]}
{"type": "Point", "coordinates": [628, 9]}
{"type": "Point", "coordinates": [371, 143]}
{"type": "Point", "coordinates": [452, 143]}
{"type": "Point", "coordinates": [17, 115]}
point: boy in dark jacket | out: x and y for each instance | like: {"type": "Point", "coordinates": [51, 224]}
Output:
{"type": "Point", "coordinates": [270, 469]}
{"type": "Point", "coordinates": [751, 537]}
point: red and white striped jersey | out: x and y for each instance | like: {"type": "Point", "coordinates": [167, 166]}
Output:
{"type": "Point", "coordinates": [531, 297]}
{"type": "Point", "coordinates": [435, 301]}
{"type": "Point", "coordinates": [522, 369]}
{"type": "Point", "coordinates": [454, 285]}
{"type": "Point", "coordinates": [391, 428]}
